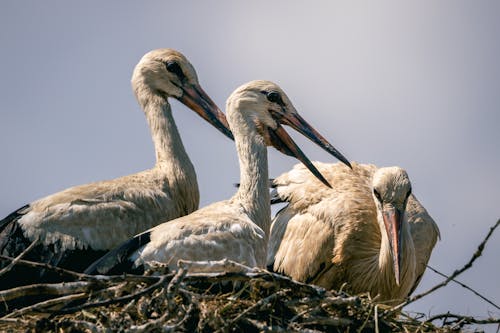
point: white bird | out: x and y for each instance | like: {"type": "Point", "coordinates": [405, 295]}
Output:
{"type": "Point", "coordinates": [80, 224]}
{"type": "Point", "coordinates": [236, 229]}
{"type": "Point", "coordinates": [367, 231]}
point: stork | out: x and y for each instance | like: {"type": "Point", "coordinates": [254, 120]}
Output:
{"type": "Point", "coordinates": [367, 231]}
{"type": "Point", "coordinates": [236, 229]}
{"type": "Point", "coordinates": [76, 226]}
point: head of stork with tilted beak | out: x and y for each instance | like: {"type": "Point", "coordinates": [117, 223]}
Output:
{"type": "Point", "coordinates": [167, 73]}
{"type": "Point", "coordinates": [391, 189]}
{"type": "Point", "coordinates": [272, 108]}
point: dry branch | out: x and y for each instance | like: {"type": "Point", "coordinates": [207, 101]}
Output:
{"type": "Point", "coordinates": [16, 260]}
{"type": "Point", "coordinates": [80, 276]}
{"type": "Point", "coordinates": [456, 318]}
{"type": "Point", "coordinates": [456, 273]}
{"type": "Point", "coordinates": [123, 299]}
{"type": "Point", "coordinates": [465, 286]}
{"type": "Point", "coordinates": [55, 289]}
{"type": "Point", "coordinates": [47, 306]}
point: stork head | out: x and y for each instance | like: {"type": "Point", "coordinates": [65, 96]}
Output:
{"type": "Point", "coordinates": [167, 73]}
{"type": "Point", "coordinates": [391, 189]}
{"type": "Point", "coordinates": [267, 105]}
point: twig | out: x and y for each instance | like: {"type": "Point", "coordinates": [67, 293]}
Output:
{"type": "Point", "coordinates": [160, 323]}
{"type": "Point", "coordinates": [83, 326]}
{"type": "Point", "coordinates": [260, 303]}
{"type": "Point", "coordinates": [464, 286]}
{"type": "Point", "coordinates": [467, 319]}
{"type": "Point", "coordinates": [173, 285]}
{"type": "Point", "coordinates": [224, 265]}
{"type": "Point", "coordinates": [16, 259]}
{"type": "Point", "coordinates": [476, 255]}
{"type": "Point", "coordinates": [41, 307]}
{"type": "Point", "coordinates": [35, 264]}
{"type": "Point", "coordinates": [55, 289]}
{"type": "Point", "coordinates": [300, 314]}
{"type": "Point", "coordinates": [360, 329]}
{"type": "Point", "coordinates": [237, 276]}
{"type": "Point", "coordinates": [327, 321]}
{"type": "Point", "coordinates": [261, 327]}
{"type": "Point", "coordinates": [342, 301]}
{"type": "Point", "coordinates": [14, 321]}
{"type": "Point", "coordinates": [123, 299]}
{"type": "Point", "coordinates": [82, 276]}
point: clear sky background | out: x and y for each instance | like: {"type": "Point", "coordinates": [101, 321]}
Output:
{"type": "Point", "coordinates": [415, 84]}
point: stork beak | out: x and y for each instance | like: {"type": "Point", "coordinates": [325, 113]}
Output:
{"type": "Point", "coordinates": [197, 100]}
{"type": "Point", "coordinates": [300, 125]}
{"type": "Point", "coordinates": [284, 143]}
{"type": "Point", "coordinates": [392, 221]}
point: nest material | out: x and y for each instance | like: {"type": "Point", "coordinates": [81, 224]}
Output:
{"type": "Point", "coordinates": [238, 299]}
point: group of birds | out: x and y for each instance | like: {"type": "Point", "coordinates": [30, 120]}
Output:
{"type": "Point", "coordinates": [344, 225]}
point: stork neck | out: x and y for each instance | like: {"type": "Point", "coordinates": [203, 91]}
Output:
{"type": "Point", "coordinates": [166, 138]}
{"type": "Point", "coordinates": [171, 157]}
{"type": "Point", "coordinates": [253, 193]}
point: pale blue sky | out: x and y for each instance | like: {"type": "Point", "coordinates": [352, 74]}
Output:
{"type": "Point", "coordinates": [414, 84]}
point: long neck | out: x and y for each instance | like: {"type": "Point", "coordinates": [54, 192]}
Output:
{"type": "Point", "coordinates": [171, 157]}
{"type": "Point", "coordinates": [253, 193]}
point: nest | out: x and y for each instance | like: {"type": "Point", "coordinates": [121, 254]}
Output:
{"type": "Point", "coordinates": [237, 299]}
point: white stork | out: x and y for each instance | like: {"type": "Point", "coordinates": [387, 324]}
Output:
{"type": "Point", "coordinates": [368, 230]}
{"type": "Point", "coordinates": [78, 225]}
{"type": "Point", "coordinates": [236, 229]}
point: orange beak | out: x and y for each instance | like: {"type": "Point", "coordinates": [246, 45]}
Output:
{"type": "Point", "coordinates": [197, 100]}
{"type": "Point", "coordinates": [284, 143]}
{"type": "Point", "coordinates": [392, 221]}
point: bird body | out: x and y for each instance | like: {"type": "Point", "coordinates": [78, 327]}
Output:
{"type": "Point", "coordinates": [219, 231]}
{"type": "Point", "coordinates": [334, 236]}
{"type": "Point", "coordinates": [88, 220]}
{"type": "Point", "coordinates": [78, 217]}
{"type": "Point", "coordinates": [235, 229]}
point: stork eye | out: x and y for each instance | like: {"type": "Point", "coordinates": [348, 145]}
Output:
{"type": "Point", "coordinates": [174, 67]}
{"type": "Point", "coordinates": [377, 195]}
{"type": "Point", "coordinates": [274, 97]}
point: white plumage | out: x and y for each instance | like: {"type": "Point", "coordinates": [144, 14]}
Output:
{"type": "Point", "coordinates": [238, 228]}
{"type": "Point", "coordinates": [368, 230]}
{"type": "Point", "coordinates": [98, 216]}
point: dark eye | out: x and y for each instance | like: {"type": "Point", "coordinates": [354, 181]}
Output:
{"type": "Point", "coordinates": [174, 67]}
{"type": "Point", "coordinates": [274, 97]}
{"type": "Point", "coordinates": [377, 195]}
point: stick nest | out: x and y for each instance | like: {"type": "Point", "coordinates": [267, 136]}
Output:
{"type": "Point", "coordinates": [239, 300]}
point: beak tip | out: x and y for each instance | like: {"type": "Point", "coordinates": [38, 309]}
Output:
{"type": "Point", "coordinates": [344, 160]}
{"type": "Point", "coordinates": [319, 176]}
{"type": "Point", "coordinates": [229, 134]}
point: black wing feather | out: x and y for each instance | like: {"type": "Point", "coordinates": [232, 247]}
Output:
{"type": "Point", "coordinates": [118, 261]}
{"type": "Point", "coordinates": [12, 217]}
